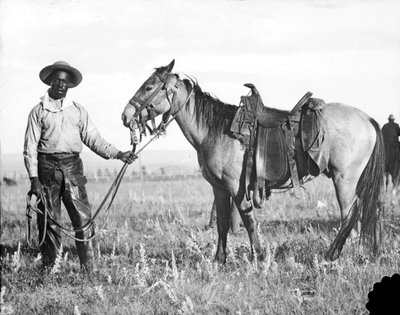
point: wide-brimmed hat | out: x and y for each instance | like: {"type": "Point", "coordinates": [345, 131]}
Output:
{"type": "Point", "coordinates": [391, 116]}
{"type": "Point", "coordinates": [45, 74]}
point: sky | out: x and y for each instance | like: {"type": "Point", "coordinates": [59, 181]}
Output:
{"type": "Point", "coordinates": [341, 51]}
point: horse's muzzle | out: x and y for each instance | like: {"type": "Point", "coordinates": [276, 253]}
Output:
{"type": "Point", "coordinates": [128, 115]}
{"type": "Point", "coordinates": [125, 121]}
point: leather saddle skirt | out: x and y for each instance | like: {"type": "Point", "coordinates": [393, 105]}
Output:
{"type": "Point", "coordinates": [271, 154]}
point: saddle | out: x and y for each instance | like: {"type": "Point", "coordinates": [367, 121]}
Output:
{"type": "Point", "coordinates": [270, 135]}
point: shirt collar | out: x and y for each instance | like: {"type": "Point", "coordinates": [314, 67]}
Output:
{"type": "Point", "coordinates": [55, 105]}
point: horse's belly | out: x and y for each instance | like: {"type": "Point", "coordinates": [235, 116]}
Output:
{"type": "Point", "coordinates": [221, 162]}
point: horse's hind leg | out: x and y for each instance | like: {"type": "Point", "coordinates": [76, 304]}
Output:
{"type": "Point", "coordinates": [213, 216]}
{"type": "Point", "coordinates": [346, 194]}
{"type": "Point", "coordinates": [222, 203]}
{"type": "Point", "coordinates": [247, 214]}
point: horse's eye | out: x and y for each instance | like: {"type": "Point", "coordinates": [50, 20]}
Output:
{"type": "Point", "coordinates": [149, 88]}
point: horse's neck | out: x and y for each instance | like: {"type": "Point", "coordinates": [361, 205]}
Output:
{"type": "Point", "coordinates": [194, 130]}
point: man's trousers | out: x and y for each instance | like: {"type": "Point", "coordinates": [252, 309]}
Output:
{"type": "Point", "coordinates": [63, 180]}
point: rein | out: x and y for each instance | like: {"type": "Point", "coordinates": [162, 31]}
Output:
{"type": "Point", "coordinates": [161, 129]}
{"type": "Point", "coordinates": [147, 105]}
{"type": "Point", "coordinates": [90, 223]}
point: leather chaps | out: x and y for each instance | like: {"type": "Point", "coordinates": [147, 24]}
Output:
{"type": "Point", "coordinates": [63, 180]}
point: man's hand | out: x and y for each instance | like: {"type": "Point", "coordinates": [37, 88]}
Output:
{"type": "Point", "coordinates": [127, 157]}
{"type": "Point", "coordinates": [36, 186]}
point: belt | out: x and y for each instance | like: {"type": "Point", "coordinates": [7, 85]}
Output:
{"type": "Point", "coordinates": [58, 157]}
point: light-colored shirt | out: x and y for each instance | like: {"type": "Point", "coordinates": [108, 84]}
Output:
{"type": "Point", "coordinates": [61, 126]}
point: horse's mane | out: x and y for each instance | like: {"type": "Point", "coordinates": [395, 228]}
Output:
{"type": "Point", "coordinates": [208, 109]}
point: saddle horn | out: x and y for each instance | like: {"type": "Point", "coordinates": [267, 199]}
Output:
{"type": "Point", "coordinates": [253, 88]}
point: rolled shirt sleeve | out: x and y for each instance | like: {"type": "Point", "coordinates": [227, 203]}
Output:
{"type": "Point", "coordinates": [32, 137]}
{"type": "Point", "coordinates": [91, 137]}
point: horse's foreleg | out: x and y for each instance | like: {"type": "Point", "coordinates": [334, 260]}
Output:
{"type": "Point", "coordinates": [222, 203]}
{"type": "Point", "coordinates": [247, 214]}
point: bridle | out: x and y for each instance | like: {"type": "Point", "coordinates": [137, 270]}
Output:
{"type": "Point", "coordinates": [141, 105]}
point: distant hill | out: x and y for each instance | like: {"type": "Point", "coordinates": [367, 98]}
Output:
{"type": "Point", "coordinates": [173, 162]}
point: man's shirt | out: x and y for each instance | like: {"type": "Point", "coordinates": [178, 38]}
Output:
{"type": "Point", "coordinates": [60, 126]}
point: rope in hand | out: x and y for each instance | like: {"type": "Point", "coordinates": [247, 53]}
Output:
{"type": "Point", "coordinates": [29, 219]}
{"type": "Point", "coordinates": [89, 224]}
{"type": "Point", "coordinates": [161, 130]}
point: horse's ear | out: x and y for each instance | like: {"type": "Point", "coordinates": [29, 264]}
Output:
{"type": "Point", "coordinates": [170, 66]}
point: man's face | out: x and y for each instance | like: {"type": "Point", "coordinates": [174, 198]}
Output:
{"type": "Point", "coordinates": [60, 82]}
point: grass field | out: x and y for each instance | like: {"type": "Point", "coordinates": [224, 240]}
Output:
{"type": "Point", "coordinates": [156, 257]}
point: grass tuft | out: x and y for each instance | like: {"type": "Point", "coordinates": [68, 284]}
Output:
{"type": "Point", "coordinates": [154, 256]}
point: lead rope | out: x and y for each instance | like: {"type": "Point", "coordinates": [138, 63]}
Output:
{"type": "Point", "coordinates": [29, 207]}
{"type": "Point", "coordinates": [161, 129]}
{"type": "Point", "coordinates": [48, 217]}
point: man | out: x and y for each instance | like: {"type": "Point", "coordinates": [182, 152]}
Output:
{"type": "Point", "coordinates": [391, 133]}
{"type": "Point", "coordinates": [56, 129]}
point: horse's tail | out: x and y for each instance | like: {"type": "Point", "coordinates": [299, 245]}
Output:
{"type": "Point", "coordinates": [369, 190]}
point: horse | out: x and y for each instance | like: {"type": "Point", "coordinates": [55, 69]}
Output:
{"type": "Point", "coordinates": [355, 156]}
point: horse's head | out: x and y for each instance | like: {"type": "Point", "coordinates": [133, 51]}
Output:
{"type": "Point", "coordinates": [152, 99]}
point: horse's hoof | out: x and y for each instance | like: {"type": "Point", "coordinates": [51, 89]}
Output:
{"type": "Point", "coordinates": [262, 256]}
{"type": "Point", "coordinates": [258, 204]}
{"type": "Point", "coordinates": [220, 258]}
{"type": "Point", "coordinates": [208, 227]}
{"type": "Point", "coordinates": [332, 255]}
